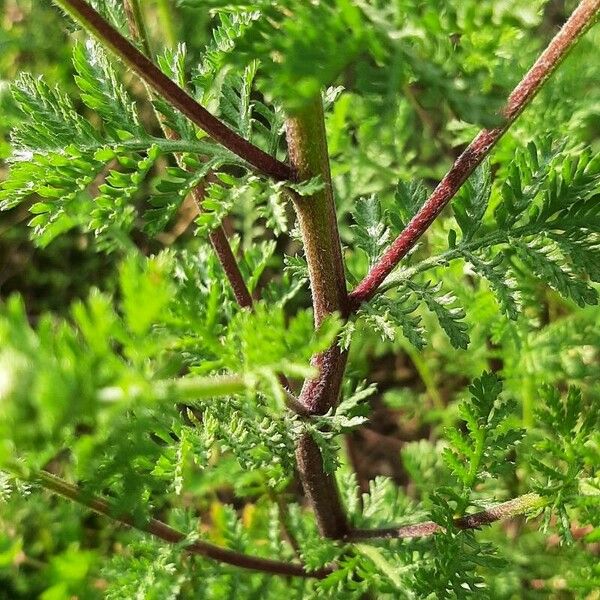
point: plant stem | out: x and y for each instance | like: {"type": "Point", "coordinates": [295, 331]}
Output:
{"type": "Point", "coordinates": [164, 87]}
{"type": "Point", "coordinates": [183, 389]}
{"type": "Point", "coordinates": [321, 489]}
{"type": "Point", "coordinates": [168, 534]}
{"type": "Point", "coordinates": [217, 236]}
{"type": "Point", "coordinates": [307, 146]}
{"type": "Point", "coordinates": [137, 25]}
{"type": "Point", "coordinates": [500, 512]}
{"type": "Point", "coordinates": [581, 19]}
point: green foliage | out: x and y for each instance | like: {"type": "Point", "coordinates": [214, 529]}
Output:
{"type": "Point", "coordinates": [472, 378]}
{"type": "Point", "coordinates": [491, 433]}
{"type": "Point", "coordinates": [565, 459]}
{"type": "Point", "coordinates": [544, 217]}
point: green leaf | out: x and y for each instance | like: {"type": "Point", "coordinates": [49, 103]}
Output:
{"type": "Point", "coordinates": [472, 201]}
{"type": "Point", "coordinates": [370, 232]}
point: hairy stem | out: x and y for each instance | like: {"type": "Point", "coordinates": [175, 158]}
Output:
{"type": "Point", "coordinates": [217, 237]}
{"type": "Point", "coordinates": [172, 536]}
{"type": "Point", "coordinates": [307, 146]}
{"type": "Point", "coordinates": [581, 19]}
{"type": "Point", "coordinates": [164, 87]}
{"type": "Point", "coordinates": [500, 512]}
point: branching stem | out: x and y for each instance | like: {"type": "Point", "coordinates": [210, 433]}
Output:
{"type": "Point", "coordinates": [307, 146]}
{"type": "Point", "coordinates": [581, 19]}
{"type": "Point", "coordinates": [168, 534]}
{"type": "Point", "coordinates": [164, 87]}
{"type": "Point", "coordinates": [217, 236]}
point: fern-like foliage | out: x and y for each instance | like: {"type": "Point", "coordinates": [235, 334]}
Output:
{"type": "Point", "coordinates": [482, 452]}
{"type": "Point", "coordinates": [565, 460]}
{"type": "Point", "coordinates": [102, 178]}
{"type": "Point", "coordinates": [544, 225]}
{"type": "Point", "coordinates": [117, 365]}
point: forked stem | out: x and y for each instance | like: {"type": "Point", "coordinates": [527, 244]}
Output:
{"type": "Point", "coordinates": [577, 24]}
{"type": "Point", "coordinates": [500, 512]}
{"type": "Point", "coordinates": [164, 87]}
{"type": "Point", "coordinates": [217, 236]}
{"type": "Point", "coordinates": [307, 146]}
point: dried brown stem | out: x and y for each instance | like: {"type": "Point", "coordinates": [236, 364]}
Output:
{"type": "Point", "coordinates": [581, 19]}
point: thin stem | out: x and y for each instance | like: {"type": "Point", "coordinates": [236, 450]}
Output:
{"type": "Point", "coordinates": [164, 87]}
{"type": "Point", "coordinates": [307, 144]}
{"type": "Point", "coordinates": [137, 25]}
{"type": "Point", "coordinates": [581, 19]}
{"type": "Point", "coordinates": [184, 389]}
{"type": "Point", "coordinates": [168, 534]}
{"type": "Point", "coordinates": [500, 512]}
{"type": "Point", "coordinates": [217, 236]}
{"type": "Point", "coordinates": [164, 145]}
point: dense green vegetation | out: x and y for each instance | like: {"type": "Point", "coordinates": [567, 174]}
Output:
{"type": "Point", "coordinates": [275, 359]}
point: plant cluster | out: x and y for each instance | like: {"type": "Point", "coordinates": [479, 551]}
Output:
{"type": "Point", "coordinates": [268, 202]}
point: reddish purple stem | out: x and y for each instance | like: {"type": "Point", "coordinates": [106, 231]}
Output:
{"type": "Point", "coordinates": [480, 147]}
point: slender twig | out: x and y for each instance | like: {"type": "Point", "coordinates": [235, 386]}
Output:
{"type": "Point", "coordinates": [137, 26]}
{"type": "Point", "coordinates": [164, 87]}
{"type": "Point", "coordinates": [500, 512]}
{"type": "Point", "coordinates": [168, 534]}
{"type": "Point", "coordinates": [217, 236]}
{"type": "Point", "coordinates": [581, 19]}
{"type": "Point", "coordinates": [307, 146]}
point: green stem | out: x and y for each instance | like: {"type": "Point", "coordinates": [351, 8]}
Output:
{"type": "Point", "coordinates": [174, 146]}
{"type": "Point", "coordinates": [186, 389]}
{"type": "Point", "coordinates": [528, 395]}
{"type": "Point", "coordinates": [493, 238]}
{"type": "Point", "coordinates": [137, 25]}
{"type": "Point", "coordinates": [307, 145]}
{"type": "Point", "coordinates": [426, 375]}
